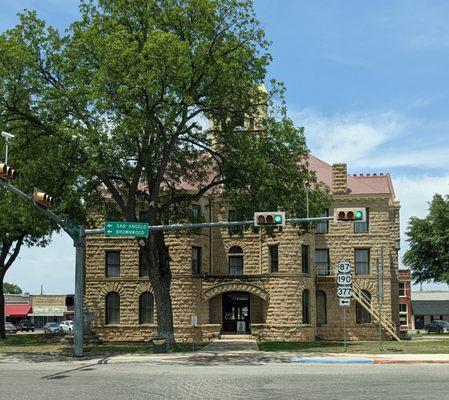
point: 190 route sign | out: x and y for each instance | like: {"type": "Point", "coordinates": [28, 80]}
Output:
{"type": "Point", "coordinates": [344, 279]}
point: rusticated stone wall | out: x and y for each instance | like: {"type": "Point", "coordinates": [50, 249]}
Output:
{"type": "Point", "coordinates": [276, 308]}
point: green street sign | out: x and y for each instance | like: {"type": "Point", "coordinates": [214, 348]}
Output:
{"type": "Point", "coordinates": [72, 228]}
{"type": "Point", "coordinates": [133, 229]}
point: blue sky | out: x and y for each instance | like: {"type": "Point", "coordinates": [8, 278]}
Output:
{"type": "Point", "coordinates": [368, 80]}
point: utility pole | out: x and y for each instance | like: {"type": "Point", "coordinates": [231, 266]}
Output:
{"type": "Point", "coordinates": [7, 136]}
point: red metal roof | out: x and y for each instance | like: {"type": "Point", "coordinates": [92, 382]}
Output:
{"type": "Point", "coordinates": [361, 184]}
{"type": "Point", "coordinates": [16, 310]}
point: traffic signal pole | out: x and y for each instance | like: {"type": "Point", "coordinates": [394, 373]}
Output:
{"type": "Point", "coordinates": [223, 224]}
{"type": "Point", "coordinates": [78, 242]}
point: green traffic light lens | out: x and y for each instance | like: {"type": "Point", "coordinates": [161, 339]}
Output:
{"type": "Point", "coordinates": [277, 219]}
{"type": "Point", "coordinates": [358, 215]}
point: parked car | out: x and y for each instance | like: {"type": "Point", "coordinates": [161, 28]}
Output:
{"type": "Point", "coordinates": [52, 327]}
{"type": "Point", "coordinates": [437, 326]}
{"type": "Point", "coordinates": [66, 326]}
{"type": "Point", "coordinates": [10, 328]}
{"type": "Point", "coordinates": [26, 325]}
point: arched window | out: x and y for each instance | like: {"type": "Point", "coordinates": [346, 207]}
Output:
{"type": "Point", "coordinates": [321, 308]}
{"type": "Point", "coordinates": [112, 306]}
{"type": "Point", "coordinates": [305, 307]}
{"type": "Point", "coordinates": [146, 308]}
{"type": "Point", "coordinates": [235, 260]}
{"type": "Point", "coordinates": [362, 316]}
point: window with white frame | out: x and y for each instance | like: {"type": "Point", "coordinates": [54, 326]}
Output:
{"type": "Point", "coordinates": [323, 226]}
{"type": "Point", "coordinates": [361, 261]}
{"type": "Point", "coordinates": [402, 289]}
{"type": "Point", "coordinates": [322, 261]}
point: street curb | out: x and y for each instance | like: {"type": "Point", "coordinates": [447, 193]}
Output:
{"type": "Point", "coordinates": [332, 360]}
{"type": "Point", "coordinates": [393, 361]}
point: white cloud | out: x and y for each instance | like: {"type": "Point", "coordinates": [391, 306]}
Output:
{"type": "Point", "coordinates": [375, 140]}
{"type": "Point", "coordinates": [431, 157]}
{"type": "Point", "coordinates": [350, 138]}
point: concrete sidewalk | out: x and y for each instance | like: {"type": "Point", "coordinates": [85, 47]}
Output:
{"type": "Point", "coordinates": [256, 358]}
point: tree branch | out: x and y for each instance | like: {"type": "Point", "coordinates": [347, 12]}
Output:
{"type": "Point", "coordinates": [192, 196]}
{"type": "Point", "coordinates": [15, 253]}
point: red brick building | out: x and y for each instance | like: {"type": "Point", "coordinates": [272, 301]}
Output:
{"type": "Point", "coordinates": [405, 299]}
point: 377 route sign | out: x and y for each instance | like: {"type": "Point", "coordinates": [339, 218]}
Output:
{"type": "Point", "coordinates": [344, 292]}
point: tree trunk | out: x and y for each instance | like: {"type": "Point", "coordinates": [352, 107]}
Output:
{"type": "Point", "coordinates": [2, 308]}
{"type": "Point", "coordinates": [156, 258]}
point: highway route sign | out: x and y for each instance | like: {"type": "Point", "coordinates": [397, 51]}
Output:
{"type": "Point", "coordinates": [344, 279]}
{"type": "Point", "coordinates": [344, 292]}
{"type": "Point", "coordinates": [344, 267]}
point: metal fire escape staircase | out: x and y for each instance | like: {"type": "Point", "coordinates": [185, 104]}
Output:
{"type": "Point", "coordinates": [365, 302]}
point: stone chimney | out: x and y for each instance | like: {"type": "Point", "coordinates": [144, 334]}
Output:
{"type": "Point", "coordinates": [339, 179]}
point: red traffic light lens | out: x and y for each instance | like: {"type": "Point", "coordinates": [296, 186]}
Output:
{"type": "Point", "coordinates": [261, 219]}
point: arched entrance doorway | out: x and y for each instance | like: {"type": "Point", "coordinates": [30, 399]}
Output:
{"type": "Point", "coordinates": [236, 312]}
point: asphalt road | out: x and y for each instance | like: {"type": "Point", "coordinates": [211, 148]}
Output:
{"type": "Point", "coordinates": [266, 381]}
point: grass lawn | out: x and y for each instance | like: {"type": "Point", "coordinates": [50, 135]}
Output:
{"type": "Point", "coordinates": [422, 346]}
{"type": "Point", "coordinates": [41, 347]}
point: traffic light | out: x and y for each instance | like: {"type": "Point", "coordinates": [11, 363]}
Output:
{"type": "Point", "coordinates": [269, 218]}
{"type": "Point", "coordinates": [350, 214]}
{"type": "Point", "coordinates": [6, 172]}
{"type": "Point", "coordinates": [42, 198]}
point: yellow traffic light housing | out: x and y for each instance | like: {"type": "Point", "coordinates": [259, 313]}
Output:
{"type": "Point", "coordinates": [357, 214]}
{"type": "Point", "coordinates": [42, 198]}
{"type": "Point", "coordinates": [269, 218]}
{"type": "Point", "coordinates": [6, 172]}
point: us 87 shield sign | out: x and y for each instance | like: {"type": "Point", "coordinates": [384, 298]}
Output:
{"type": "Point", "coordinates": [344, 292]}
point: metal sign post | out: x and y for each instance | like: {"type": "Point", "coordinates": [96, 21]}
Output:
{"type": "Point", "coordinates": [344, 291]}
{"type": "Point", "coordinates": [380, 291]}
{"type": "Point", "coordinates": [193, 322]}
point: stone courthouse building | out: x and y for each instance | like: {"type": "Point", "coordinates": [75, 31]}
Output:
{"type": "Point", "coordinates": [273, 287]}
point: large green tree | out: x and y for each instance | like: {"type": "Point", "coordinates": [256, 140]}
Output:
{"type": "Point", "coordinates": [134, 83]}
{"type": "Point", "coordinates": [428, 255]}
{"type": "Point", "coordinates": [11, 288]}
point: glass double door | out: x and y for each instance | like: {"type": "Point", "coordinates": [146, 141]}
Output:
{"type": "Point", "coordinates": [236, 317]}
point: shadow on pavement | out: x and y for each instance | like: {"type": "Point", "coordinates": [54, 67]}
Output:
{"type": "Point", "coordinates": [235, 359]}
{"type": "Point", "coordinates": [63, 374]}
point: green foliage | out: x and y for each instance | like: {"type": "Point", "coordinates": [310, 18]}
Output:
{"type": "Point", "coordinates": [11, 288]}
{"type": "Point", "coordinates": [428, 237]}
